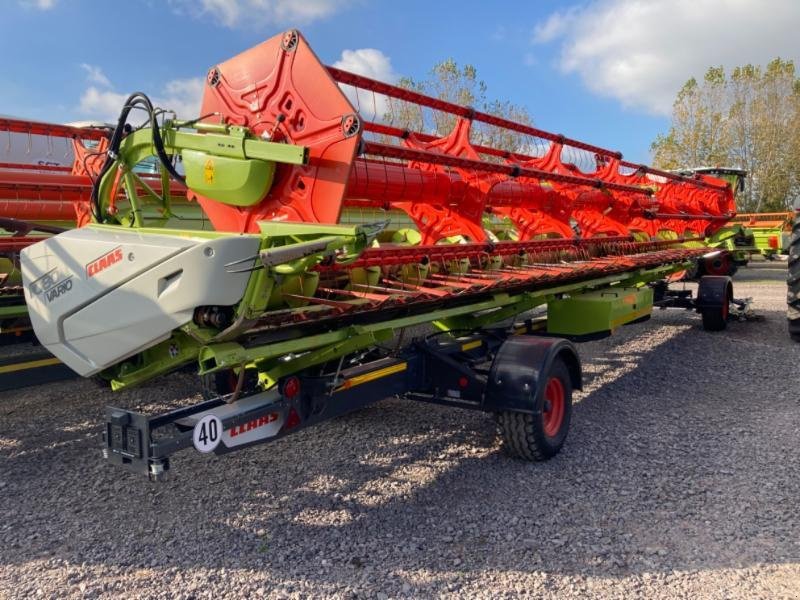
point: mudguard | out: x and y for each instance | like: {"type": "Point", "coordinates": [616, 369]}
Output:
{"type": "Point", "coordinates": [520, 368]}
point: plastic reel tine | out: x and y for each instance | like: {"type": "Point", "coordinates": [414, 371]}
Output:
{"type": "Point", "coordinates": [357, 94]}
{"type": "Point", "coordinates": [374, 106]}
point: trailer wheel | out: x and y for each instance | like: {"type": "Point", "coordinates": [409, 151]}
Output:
{"type": "Point", "coordinates": [794, 329]}
{"type": "Point", "coordinates": [540, 436]}
{"type": "Point", "coordinates": [721, 264]}
{"type": "Point", "coordinates": [793, 282]}
{"type": "Point", "coordinates": [715, 318]}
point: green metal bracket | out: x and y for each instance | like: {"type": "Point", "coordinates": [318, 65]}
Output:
{"type": "Point", "coordinates": [271, 372]}
{"type": "Point", "coordinates": [225, 163]}
{"type": "Point", "coordinates": [178, 350]}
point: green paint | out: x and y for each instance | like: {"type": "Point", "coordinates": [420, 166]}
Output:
{"type": "Point", "coordinates": [167, 356]}
{"type": "Point", "coordinates": [598, 311]}
{"type": "Point", "coordinates": [280, 359]}
{"type": "Point", "coordinates": [227, 164]}
{"type": "Point", "coordinates": [13, 312]}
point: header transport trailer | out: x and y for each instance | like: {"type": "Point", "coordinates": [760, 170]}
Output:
{"type": "Point", "coordinates": [339, 218]}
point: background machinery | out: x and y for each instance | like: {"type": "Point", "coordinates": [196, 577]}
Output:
{"type": "Point", "coordinates": [326, 218]}
{"type": "Point", "coordinates": [749, 234]}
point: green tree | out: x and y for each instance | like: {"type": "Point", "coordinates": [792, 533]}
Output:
{"type": "Point", "coordinates": [750, 120]}
{"type": "Point", "coordinates": [460, 85]}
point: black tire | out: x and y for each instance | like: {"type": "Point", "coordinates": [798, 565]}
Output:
{"type": "Point", "coordinates": [793, 282]}
{"type": "Point", "coordinates": [715, 318]}
{"type": "Point", "coordinates": [525, 436]}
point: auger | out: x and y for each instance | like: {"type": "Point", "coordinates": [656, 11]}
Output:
{"type": "Point", "coordinates": [325, 226]}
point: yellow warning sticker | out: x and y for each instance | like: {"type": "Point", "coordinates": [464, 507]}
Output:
{"type": "Point", "coordinates": [208, 171]}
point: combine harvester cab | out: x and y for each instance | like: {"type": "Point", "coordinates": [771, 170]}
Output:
{"type": "Point", "coordinates": [339, 221]}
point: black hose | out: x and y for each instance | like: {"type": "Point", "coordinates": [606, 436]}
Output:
{"type": "Point", "coordinates": [135, 99]}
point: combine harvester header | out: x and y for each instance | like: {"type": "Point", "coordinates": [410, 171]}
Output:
{"type": "Point", "coordinates": [334, 226]}
{"type": "Point", "coordinates": [447, 185]}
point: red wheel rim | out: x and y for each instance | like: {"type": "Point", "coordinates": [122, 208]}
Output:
{"type": "Point", "coordinates": [553, 415]}
{"type": "Point", "coordinates": [720, 265]}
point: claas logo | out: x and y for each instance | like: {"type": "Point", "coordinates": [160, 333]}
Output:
{"type": "Point", "coordinates": [101, 264]}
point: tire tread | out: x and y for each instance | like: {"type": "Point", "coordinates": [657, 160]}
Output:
{"type": "Point", "coordinates": [519, 430]}
{"type": "Point", "coordinates": [793, 282]}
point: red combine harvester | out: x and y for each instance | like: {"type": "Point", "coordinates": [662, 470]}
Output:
{"type": "Point", "coordinates": [329, 212]}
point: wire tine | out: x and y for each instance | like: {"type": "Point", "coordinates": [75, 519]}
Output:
{"type": "Point", "coordinates": [242, 260]}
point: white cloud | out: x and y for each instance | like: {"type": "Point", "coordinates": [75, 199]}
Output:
{"type": "Point", "coordinates": [371, 63]}
{"type": "Point", "coordinates": [95, 75]}
{"type": "Point", "coordinates": [236, 13]}
{"type": "Point", "coordinates": [641, 52]}
{"type": "Point", "coordinates": [368, 62]}
{"type": "Point", "coordinates": [99, 102]}
{"type": "Point", "coordinates": [554, 26]}
{"type": "Point", "coordinates": [180, 95]}
{"type": "Point", "coordinates": [101, 105]}
{"type": "Point", "coordinates": [184, 96]}
{"type": "Point", "coordinates": [39, 4]}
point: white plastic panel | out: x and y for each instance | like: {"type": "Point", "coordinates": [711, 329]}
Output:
{"type": "Point", "coordinates": [97, 296]}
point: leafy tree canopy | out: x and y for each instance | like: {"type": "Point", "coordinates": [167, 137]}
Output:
{"type": "Point", "coordinates": [748, 119]}
{"type": "Point", "coordinates": [460, 85]}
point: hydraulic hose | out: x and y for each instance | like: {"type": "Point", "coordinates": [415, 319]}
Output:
{"type": "Point", "coordinates": [135, 99]}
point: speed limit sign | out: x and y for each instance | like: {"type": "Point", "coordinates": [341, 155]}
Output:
{"type": "Point", "coordinates": [207, 434]}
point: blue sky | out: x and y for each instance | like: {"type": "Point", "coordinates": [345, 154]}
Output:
{"type": "Point", "coordinates": [603, 71]}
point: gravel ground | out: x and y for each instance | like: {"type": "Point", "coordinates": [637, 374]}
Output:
{"type": "Point", "coordinates": [679, 480]}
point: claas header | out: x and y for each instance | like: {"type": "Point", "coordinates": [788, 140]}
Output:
{"type": "Point", "coordinates": [324, 227]}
